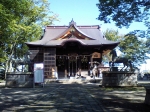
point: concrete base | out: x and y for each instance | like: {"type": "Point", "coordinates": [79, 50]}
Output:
{"type": "Point", "coordinates": [119, 78]}
{"type": "Point", "coordinates": [19, 79]}
{"type": "Point", "coordinates": [147, 97]}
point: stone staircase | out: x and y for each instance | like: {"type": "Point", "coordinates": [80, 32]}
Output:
{"type": "Point", "coordinates": [73, 80]}
{"type": "Point", "coordinates": [84, 78]}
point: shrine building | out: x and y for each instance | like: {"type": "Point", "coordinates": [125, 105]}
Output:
{"type": "Point", "coordinates": [68, 49]}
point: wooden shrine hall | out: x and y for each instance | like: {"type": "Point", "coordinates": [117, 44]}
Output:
{"type": "Point", "coordinates": [66, 50]}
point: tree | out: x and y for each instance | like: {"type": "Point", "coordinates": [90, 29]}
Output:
{"type": "Point", "coordinates": [123, 12]}
{"type": "Point", "coordinates": [131, 47]}
{"type": "Point", "coordinates": [112, 35]}
{"type": "Point", "coordinates": [134, 49]}
{"type": "Point", "coordinates": [21, 21]}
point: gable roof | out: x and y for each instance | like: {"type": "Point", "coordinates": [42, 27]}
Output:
{"type": "Point", "coordinates": [59, 35]}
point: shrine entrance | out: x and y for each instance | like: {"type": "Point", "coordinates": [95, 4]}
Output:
{"type": "Point", "coordinates": [72, 64]}
{"type": "Point", "coordinates": [67, 65]}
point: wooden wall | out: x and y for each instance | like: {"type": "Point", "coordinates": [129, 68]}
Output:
{"type": "Point", "coordinates": [50, 62]}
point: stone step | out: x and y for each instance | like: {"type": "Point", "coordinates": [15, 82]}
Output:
{"type": "Point", "coordinates": [73, 80]}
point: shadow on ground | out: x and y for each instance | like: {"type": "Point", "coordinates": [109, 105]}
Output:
{"type": "Point", "coordinates": [121, 99]}
{"type": "Point", "coordinates": [75, 97]}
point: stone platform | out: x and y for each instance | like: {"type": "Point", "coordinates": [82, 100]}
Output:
{"type": "Point", "coordinates": [19, 79]}
{"type": "Point", "coordinates": [119, 78]}
{"type": "Point", "coordinates": [147, 97]}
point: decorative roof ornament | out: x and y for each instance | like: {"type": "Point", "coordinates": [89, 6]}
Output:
{"type": "Point", "coordinates": [72, 22]}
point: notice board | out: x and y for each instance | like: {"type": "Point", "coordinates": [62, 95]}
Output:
{"type": "Point", "coordinates": [38, 73]}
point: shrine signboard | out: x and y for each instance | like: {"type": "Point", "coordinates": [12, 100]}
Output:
{"type": "Point", "coordinates": [96, 55]}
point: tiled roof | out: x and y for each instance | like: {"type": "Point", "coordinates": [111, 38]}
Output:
{"type": "Point", "coordinates": [53, 33]}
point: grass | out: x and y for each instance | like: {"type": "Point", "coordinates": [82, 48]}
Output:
{"type": "Point", "coordinates": [2, 80]}
{"type": "Point", "coordinates": [123, 88]}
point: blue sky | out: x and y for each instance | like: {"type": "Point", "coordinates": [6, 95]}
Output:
{"type": "Point", "coordinates": [84, 12]}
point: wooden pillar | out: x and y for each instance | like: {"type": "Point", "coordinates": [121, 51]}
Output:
{"type": "Point", "coordinates": [91, 60]}
{"type": "Point", "coordinates": [101, 56]}
{"type": "Point", "coordinates": [66, 65]}
{"type": "Point", "coordinates": [79, 62]}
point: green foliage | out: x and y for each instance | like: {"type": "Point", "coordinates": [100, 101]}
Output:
{"type": "Point", "coordinates": [123, 89]}
{"type": "Point", "coordinates": [134, 49]}
{"type": "Point", "coordinates": [112, 35]}
{"type": "Point", "coordinates": [21, 21]}
{"type": "Point", "coordinates": [131, 47]}
{"type": "Point", "coordinates": [148, 44]}
{"type": "Point", "coordinates": [123, 12]}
